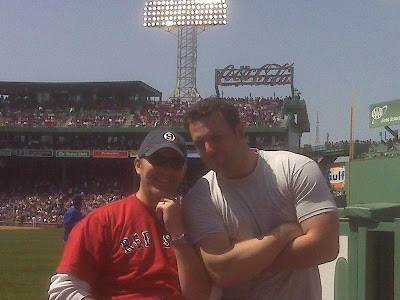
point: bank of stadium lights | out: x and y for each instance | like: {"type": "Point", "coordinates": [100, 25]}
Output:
{"type": "Point", "coordinates": [185, 19]}
{"type": "Point", "coordinates": [185, 13]}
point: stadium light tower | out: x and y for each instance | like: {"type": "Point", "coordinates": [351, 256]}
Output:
{"type": "Point", "coordinates": [186, 19]}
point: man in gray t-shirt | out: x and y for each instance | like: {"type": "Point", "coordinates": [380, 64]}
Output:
{"type": "Point", "coordinates": [236, 213]}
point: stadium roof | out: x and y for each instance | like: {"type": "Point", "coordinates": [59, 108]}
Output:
{"type": "Point", "coordinates": [7, 87]}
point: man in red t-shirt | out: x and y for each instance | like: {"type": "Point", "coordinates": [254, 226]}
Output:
{"type": "Point", "coordinates": [133, 248]}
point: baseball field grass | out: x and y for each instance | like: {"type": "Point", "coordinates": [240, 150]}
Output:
{"type": "Point", "coordinates": [28, 258]}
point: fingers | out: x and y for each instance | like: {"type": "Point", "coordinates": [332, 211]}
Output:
{"type": "Point", "coordinates": [175, 200]}
{"type": "Point", "coordinates": [167, 201]}
{"type": "Point", "coordinates": [159, 211]}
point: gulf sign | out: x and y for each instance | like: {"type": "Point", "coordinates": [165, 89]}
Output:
{"type": "Point", "coordinates": [337, 175]}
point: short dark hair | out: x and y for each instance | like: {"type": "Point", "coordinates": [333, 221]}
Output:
{"type": "Point", "coordinates": [205, 108]}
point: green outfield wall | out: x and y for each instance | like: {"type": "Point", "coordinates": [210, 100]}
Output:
{"type": "Point", "coordinates": [375, 180]}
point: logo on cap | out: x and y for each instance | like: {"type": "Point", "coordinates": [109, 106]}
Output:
{"type": "Point", "coordinates": [169, 136]}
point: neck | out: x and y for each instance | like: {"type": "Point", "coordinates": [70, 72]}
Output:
{"type": "Point", "coordinates": [243, 167]}
{"type": "Point", "coordinates": [147, 198]}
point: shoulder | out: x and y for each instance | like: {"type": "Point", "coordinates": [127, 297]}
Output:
{"type": "Point", "coordinates": [70, 211]}
{"type": "Point", "coordinates": [283, 156]}
{"type": "Point", "coordinates": [201, 192]}
{"type": "Point", "coordinates": [288, 161]}
{"type": "Point", "coordinates": [203, 184]}
{"type": "Point", "coordinates": [111, 209]}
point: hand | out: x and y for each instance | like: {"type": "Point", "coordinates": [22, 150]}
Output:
{"type": "Point", "coordinates": [169, 211]}
{"type": "Point", "coordinates": [288, 231]}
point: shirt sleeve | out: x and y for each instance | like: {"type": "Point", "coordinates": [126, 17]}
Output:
{"type": "Point", "coordinates": [200, 213]}
{"type": "Point", "coordinates": [311, 192]}
{"type": "Point", "coordinates": [67, 219]}
{"type": "Point", "coordinates": [67, 287]}
{"type": "Point", "coordinates": [86, 250]}
{"type": "Point", "coordinates": [72, 218]}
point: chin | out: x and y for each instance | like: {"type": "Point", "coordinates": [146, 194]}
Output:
{"type": "Point", "coordinates": [220, 168]}
{"type": "Point", "coordinates": [163, 193]}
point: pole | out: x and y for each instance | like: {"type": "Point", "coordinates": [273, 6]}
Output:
{"type": "Point", "coordinates": [351, 150]}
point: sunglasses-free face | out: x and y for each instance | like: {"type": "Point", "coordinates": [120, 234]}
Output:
{"type": "Point", "coordinates": [159, 160]}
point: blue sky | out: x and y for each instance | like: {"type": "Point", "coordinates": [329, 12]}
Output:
{"type": "Point", "coordinates": [333, 45]}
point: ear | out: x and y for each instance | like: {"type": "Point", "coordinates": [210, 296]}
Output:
{"type": "Point", "coordinates": [138, 165]}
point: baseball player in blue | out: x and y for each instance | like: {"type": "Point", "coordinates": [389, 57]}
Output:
{"type": "Point", "coordinates": [73, 215]}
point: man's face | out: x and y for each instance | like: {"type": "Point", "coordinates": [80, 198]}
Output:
{"type": "Point", "coordinates": [78, 205]}
{"type": "Point", "coordinates": [162, 173]}
{"type": "Point", "coordinates": [217, 143]}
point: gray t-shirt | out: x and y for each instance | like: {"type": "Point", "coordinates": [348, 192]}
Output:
{"type": "Point", "coordinates": [284, 187]}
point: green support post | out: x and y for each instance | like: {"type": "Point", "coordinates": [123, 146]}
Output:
{"type": "Point", "coordinates": [362, 263]}
{"type": "Point", "coordinates": [396, 259]}
{"type": "Point", "coordinates": [341, 279]}
{"type": "Point", "coordinates": [352, 283]}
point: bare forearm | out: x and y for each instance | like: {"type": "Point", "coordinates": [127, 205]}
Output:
{"type": "Point", "coordinates": [302, 254]}
{"type": "Point", "coordinates": [244, 260]}
{"type": "Point", "coordinates": [193, 277]}
{"type": "Point", "coordinates": [320, 244]}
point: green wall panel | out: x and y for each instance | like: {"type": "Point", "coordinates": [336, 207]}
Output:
{"type": "Point", "coordinates": [375, 180]}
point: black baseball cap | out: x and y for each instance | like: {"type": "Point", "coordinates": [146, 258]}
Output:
{"type": "Point", "coordinates": [162, 138]}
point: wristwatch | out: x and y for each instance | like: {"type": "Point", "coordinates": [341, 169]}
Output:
{"type": "Point", "coordinates": [182, 239]}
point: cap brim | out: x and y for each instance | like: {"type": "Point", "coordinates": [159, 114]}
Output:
{"type": "Point", "coordinates": [161, 146]}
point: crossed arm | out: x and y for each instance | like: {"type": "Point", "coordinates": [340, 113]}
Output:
{"type": "Point", "coordinates": [283, 249]}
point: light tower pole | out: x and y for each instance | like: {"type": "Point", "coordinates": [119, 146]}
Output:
{"type": "Point", "coordinates": [185, 19]}
{"type": "Point", "coordinates": [317, 131]}
{"type": "Point", "coordinates": [186, 64]}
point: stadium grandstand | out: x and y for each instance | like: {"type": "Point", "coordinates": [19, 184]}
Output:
{"type": "Point", "coordinates": [60, 138]}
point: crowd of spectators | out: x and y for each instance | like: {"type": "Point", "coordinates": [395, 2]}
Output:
{"type": "Point", "coordinates": [254, 111]}
{"type": "Point", "coordinates": [160, 113]}
{"type": "Point", "coordinates": [35, 118]}
{"type": "Point", "coordinates": [260, 111]}
{"type": "Point", "coordinates": [96, 119]}
{"type": "Point", "coordinates": [48, 202]}
{"type": "Point", "coordinates": [63, 102]}
{"type": "Point", "coordinates": [109, 112]}
{"type": "Point", "coordinates": [366, 149]}
{"type": "Point", "coordinates": [26, 111]}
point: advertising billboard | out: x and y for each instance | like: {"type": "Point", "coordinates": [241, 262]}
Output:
{"type": "Point", "coordinates": [110, 154]}
{"type": "Point", "coordinates": [34, 153]}
{"type": "Point", "coordinates": [5, 152]}
{"type": "Point", "coordinates": [337, 175]}
{"type": "Point", "coordinates": [384, 114]}
{"type": "Point", "coordinates": [73, 153]}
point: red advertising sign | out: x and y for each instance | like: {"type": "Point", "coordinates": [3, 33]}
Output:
{"type": "Point", "coordinates": [110, 154]}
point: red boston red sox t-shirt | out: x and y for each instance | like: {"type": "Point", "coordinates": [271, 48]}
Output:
{"type": "Point", "coordinates": [124, 252]}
